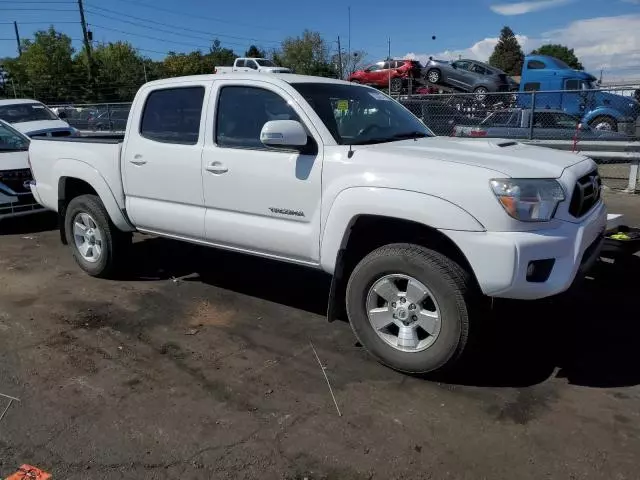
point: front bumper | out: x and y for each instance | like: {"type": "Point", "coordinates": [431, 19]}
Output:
{"type": "Point", "coordinates": [500, 259]}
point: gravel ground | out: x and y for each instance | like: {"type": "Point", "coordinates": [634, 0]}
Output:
{"type": "Point", "coordinates": [200, 366]}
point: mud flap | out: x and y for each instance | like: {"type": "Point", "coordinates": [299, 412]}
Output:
{"type": "Point", "coordinates": [336, 307]}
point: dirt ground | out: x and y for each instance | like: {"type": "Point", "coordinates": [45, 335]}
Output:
{"type": "Point", "coordinates": [200, 366]}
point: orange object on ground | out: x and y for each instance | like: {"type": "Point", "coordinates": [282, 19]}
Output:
{"type": "Point", "coordinates": [27, 472]}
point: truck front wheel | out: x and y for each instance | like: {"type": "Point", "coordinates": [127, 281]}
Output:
{"type": "Point", "coordinates": [408, 306]}
{"type": "Point", "coordinates": [95, 242]}
{"type": "Point", "coordinates": [604, 123]}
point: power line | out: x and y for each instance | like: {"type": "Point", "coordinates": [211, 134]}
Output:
{"type": "Point", "coordinates": [208, 34]}
{"type": "Point", "coordinates": [191, 15]}
{"type": "Point", "coordinates": [34, 1]}
{"type": "Point", "coordinates": [158, 39]}
{"type": "Point", "coordinates": [36, 10]}
{"type": "Point", "coordinates": [35, 23]}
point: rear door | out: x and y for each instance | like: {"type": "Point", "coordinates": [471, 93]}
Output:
{"type": "Point", "coordinates": [260, 199]}
{"type": "Point", "coordinates": [457, 75]}
{"type": "Point", "coordinates": [161, 161]}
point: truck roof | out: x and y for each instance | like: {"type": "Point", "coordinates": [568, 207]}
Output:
{"type": "Point", "coordinates": [273, 77]}
{"type": "Point", "coordinates": [15, 101]}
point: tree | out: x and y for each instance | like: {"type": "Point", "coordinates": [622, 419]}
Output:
{"type": "Point", "coordinates": [181, 64]}
{"type": "Point", "coordinates": [560, 52]}
{"type": "Point", "coordinates": [507, 55]}
{"type": "Point", "coordinates": [307, 55]}
{"type": "Point", "coordinates": [118, 72]}
{"type": "Point", "coordinates": [45, 69]}
{"type": "Point", "coordinates": [254, 52]}
{"type": "Point", "coordinates": [219, 56]}
{"type": "Point", "coordinates": [349, 63]}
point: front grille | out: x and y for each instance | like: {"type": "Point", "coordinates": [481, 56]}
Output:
{"type": "Point", "coordinates": [17, 181]}
{"type": "Point", "coordinates": [585, 194]}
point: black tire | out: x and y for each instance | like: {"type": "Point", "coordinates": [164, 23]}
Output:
{"type": "Point", "coordinates": [396, 85]}
{"type": "Point", "coordinates": [611, 122]}
{"type": "Point", "coordinates": [481, 93]}
{"type": "Point", "coordinates": [357, 82]}
{"type": "Point", "coordinates": [114, 242]}
{"type": "Point", "coordinates": [433, 76]}
{"type": "Point", "coordinates": [449, 284]}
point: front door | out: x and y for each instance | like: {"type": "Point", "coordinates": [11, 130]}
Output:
{"type": "Point", "coordinates": [260, 199]}
{"type": "Point", "coordinates": [162, 171]}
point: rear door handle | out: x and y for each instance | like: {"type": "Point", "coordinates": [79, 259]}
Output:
{"type": "Point", "coordinates": [138, 160]}
{"type": "Point", "coordinates": [216, 168]}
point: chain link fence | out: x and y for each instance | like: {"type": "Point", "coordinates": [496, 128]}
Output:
{"type": "Point", "coordinates": [602, 123]}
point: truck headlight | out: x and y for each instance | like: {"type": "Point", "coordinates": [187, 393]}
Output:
{"type": "Point", "coordinates": [528, 200]}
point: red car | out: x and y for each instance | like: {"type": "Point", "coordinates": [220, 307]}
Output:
{"type": "Point", "coordinates": [377, 75]}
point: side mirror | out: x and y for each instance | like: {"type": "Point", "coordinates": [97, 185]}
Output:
{"type": "Point", "coordinates": [62, 115]}
{"type": "Point", "coordinates": [283, 133]}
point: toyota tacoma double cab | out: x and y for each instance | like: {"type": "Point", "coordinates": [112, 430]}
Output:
{"type": "Point", "coordinates": [414, 229]}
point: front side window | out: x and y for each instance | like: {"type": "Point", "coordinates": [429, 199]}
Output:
{"type": "Point", "coordinates": [532, 87]}
{"type": "Point", "coordinates": [11, 140]}
{"type": "Point", "coordinates": [573, 84]}
{"type": "Point", "coordinates": [375, 67]}
{"type": "Point", "coordinates": [252, 64]}
{"type": "Point", "coordinates": [172, 115]}
{"type": "Point", "coordinates": [26, 112]}
{"type": "Point", "coordinates": [357, 115]}
{"type": "Point", "coordinates": [240, 63]}
{"type": "Point", "coordinates": [243, 111]}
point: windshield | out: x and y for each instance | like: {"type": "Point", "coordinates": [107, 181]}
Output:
{"type": "Point", "coordinates": [360, 115]}
{"type": "Point", "coordinates": [11, 140]}
{"type": "Point", "coordinates": [265, 63]}
{"type": "Point", "coordinates": [26, 112]}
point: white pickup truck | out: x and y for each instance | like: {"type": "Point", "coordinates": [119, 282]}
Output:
{"type": "Point", "coordinates": [261, 65]}
{"type": "Point", "coordinates": [415, 229]}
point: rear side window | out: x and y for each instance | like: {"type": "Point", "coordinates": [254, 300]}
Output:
{"type": "Point", "coordinates": [532, 87]}
{"type": "Point", "coordinates": [239, 63]}
{"type": "Point", "coordinates": [172, 115]}
{"type": "Point", "coordinates": [536, 65]}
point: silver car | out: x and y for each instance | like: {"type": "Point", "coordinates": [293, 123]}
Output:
{"type": "Point", "coordinates": [468, 76]}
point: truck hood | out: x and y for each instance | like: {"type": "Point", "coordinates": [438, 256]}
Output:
{"type": "Point", "coordinates": [41, 126]}
{"type": "Point", "coordinates": [13, 160]}
{"type": "Point", "coordinates": [508, 158]}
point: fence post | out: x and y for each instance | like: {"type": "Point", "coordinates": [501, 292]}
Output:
{"type": "Point", "coordinates": [633, 176]}
{"type": "Point", "coordinates": [533, 109]}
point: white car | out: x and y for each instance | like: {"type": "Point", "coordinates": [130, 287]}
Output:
{"type": "Point", "coordinates": [16, 198]}
{"type": "Point", "coordinates": [34, 118]}
{"type": "Point", "coordinates": [415, 229]}
{"type": "Point", "coordinates": [261, 65]}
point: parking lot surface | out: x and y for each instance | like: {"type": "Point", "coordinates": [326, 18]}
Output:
{"type": "Point", "coordinates": [200, 365]}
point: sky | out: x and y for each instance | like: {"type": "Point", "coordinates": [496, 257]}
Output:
{"type": "Point", "coordinates": [604, 33]}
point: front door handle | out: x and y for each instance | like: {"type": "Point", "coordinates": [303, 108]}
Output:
{"type": "Point", "coordinates": [137, 160]}
{"type": "Point", "coordinates": [216, 168]}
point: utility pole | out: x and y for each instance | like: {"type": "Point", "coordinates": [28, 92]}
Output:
{"type": "Point", "coordinates": [389, 60]}
{"type": "Point", "coordinates": [144, 67]}
{"type": "Point", "coordinates": [15, 27]}
{"type": "Point", "coordinates": [85, 34]}
{"type": "Point", "coordinates": [349, 41]}
{"type": "Point", "coordinates": [340, 59]}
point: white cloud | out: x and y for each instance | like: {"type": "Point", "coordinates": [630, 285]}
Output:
{"type": "Point", "coordinates": [609, 43]}
{"type": "Point", "coordinates": [521, 8]}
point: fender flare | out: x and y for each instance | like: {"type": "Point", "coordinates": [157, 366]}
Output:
{"type": "Point", "coordinates": [77, 169]}
{"type": "Point", "coordinates": [349, 204]}
{"type": "Point", "coordinates": [602, 112]}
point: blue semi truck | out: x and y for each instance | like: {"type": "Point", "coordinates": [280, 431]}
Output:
{"type": "Point", "coordinates": [558, 86]}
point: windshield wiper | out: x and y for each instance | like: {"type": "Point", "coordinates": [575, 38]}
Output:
{"type": "Point", "coordinates": [407, 135]}
{"type": "Point", "coordinates": [393, 138]}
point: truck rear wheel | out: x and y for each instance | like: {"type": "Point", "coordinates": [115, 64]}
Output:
{"type": "Point", "coordinates": [95, 242]}
{"type": "Point", "coordinates": [408, 306]}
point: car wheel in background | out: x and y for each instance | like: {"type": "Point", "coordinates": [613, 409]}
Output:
{"type": "Point", "coordinates": [604, 123]}
{"type": "Point", "coordinates": [434, 76]}
{"type": "Point", "coordinates": [481, 93]}
{"type": "Point", "coordinates": [396, 85]}
{"type": "Point", "coordinates": [408, 306]}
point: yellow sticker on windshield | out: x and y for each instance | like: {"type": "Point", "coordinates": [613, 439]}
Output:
{"type": "Point", "coordinates": [343, 105]}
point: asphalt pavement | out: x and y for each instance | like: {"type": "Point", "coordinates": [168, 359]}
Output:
{"type": "Point", "coordinates": [200, 365]}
